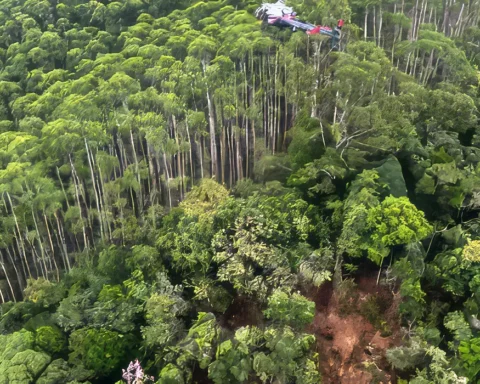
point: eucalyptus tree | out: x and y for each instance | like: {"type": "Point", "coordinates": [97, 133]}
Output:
{"type": "Point", "coordinates": [203, 48]}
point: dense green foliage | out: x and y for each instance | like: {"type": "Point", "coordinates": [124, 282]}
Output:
{"type": "Point", "coordinates": [168, 166]}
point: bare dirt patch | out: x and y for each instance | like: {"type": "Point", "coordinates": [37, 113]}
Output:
{"type": "Point", "coordinates": [351, 339]}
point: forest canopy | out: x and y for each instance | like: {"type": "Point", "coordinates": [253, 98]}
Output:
{"type": "Point", "coordinates": [185, 185]}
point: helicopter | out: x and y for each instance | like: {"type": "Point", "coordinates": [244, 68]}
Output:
{"type": "Point", "coordinates": [280, 15]}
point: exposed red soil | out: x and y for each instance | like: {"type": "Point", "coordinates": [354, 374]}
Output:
{"type": "Point", "coordinates": [351, 350]}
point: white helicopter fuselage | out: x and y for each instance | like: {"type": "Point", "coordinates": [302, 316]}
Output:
{"type": "Point", "coordinates": [277, 9]}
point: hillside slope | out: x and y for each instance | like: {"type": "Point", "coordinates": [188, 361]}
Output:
{"type": "Point", "coordinates": [187, 186]}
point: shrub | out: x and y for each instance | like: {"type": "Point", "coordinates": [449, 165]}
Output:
{"type": "Point", "coordinates": [50, 339]}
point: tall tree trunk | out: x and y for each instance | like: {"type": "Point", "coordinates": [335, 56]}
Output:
{"type": "Point", "coordinates": [458, 23]}
{"type": "Point", "coordinates": [36, 259]}
{"type": "Point", "coordinates": [64, 244]}
{"type": "Point", "coordinates": [178, 155]}
{"type": "Point", "coordinates": [275, 106]}
{"type": "Point", "coordinates": [380, 23]}
{"type": "Point", "coordinates": [192, 174]}
{"type": "Point", "coordinates": [104, 204]}
{"type": "Point", "coordinates": [365, 24]}
{"type": "Point", "coordinates": [231, 175]}
{"type": "Point", "coordinates": [155, 187]}
{"type": "Point", "coordinates": [414, 22]}
{"type": "Point", "coordinates": [8, 281]}
{"type": "Point", "coordinates": [211, 121]}
{"type": "Point", "coordinates": [40, 242]}
{"type": "Point", "coordinates": [168, 180]}
{"type": "Point", "coordinates": [184, 167]}
{"type": "Point", "coordinates": [239, 161]}
{"type": "Point", "coordinates": [414, 68]}
{"type": "Point", "coordinates": [247, 119]}
{"type": "Point", "coordinates": [336, 108]}
{"type": "Point", "coordinates": [63, 188]}
{"type": "Point", "coordinates": [137, 174]}
{"type": "Point", "coordinates": [59, 244]}
{"type": "Point", "coordinates": [446, 5]}
{"type": "Point", "coordinates": [51, 245]}
{"type": "Point", "coordinates": [96, 193]}
{"type": "Point", "coordinates": [424, 12]}
{"type": "Point", "coordinates": [423, 69]}
{"type": "Point", "coordinates": [213, 142]}
{"type": "Point", "coordinates": [222, 154]}
{"type": "Point", "coordinates": [19, 237]}
{"type": "Point", "coordinates": [77, 194]}
{"type": "Point", "coordinates": [100, 189]}
{"type": "Point", "coordinates": [201, 156]}
{"type": "Point", "coordinates": [20, 278]}
{"type": "Point", "coordinates": [254, 103]}
{"type": "Point", "coordinates": [428, 69]}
